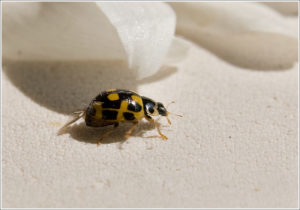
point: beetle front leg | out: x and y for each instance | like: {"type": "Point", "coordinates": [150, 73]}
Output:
{"type": "Point", "coordinates": [157, 127]}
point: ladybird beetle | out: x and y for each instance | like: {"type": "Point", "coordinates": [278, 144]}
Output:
{"type": "Point", "coordinates": [114, 106]}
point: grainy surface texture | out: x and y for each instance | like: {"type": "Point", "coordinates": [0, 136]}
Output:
{"type": "Point", "coordinates": [236, 145]}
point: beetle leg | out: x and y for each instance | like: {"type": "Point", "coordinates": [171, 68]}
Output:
{"type": "Point", "coordinates": [128, 133]}
{"type": "Point", "coordinates": [78, 114]}
{"type": "Point", "coordinates": [157, 127]}
{"type": "Point", "coordinates": [107, 133]}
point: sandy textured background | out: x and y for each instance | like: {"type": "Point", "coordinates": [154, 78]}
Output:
{"type": "Point", "coordinates": [236, 145]}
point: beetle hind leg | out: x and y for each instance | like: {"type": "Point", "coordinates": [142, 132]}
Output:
{"type": "Point", "coordinates": [77, 115]}
{"type": "Point", "coordinates": [107, 133]}
{"type": "Point", "coordinates": [129, 132]}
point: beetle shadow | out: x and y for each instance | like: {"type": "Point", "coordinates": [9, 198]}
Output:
{"type": "Point", "coordinates": [82, 133]}
{"type": "Point", "coordinates": [67, 86]}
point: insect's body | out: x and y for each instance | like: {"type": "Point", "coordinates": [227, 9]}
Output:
{"type": "Point", "coordinates": [114, 106]}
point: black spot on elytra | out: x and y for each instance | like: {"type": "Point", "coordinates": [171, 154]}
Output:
{"type": "Point", "coordinates": [128, 116]}
{"type": "Point", "coordinates": [109, 115]}
{"type": "Point", "coordinates": [134, 106]}
{"type": "Point", "coordinates": [111, 104]}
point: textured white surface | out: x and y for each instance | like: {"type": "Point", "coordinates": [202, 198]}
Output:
{"type": "Point", "coordinates": [236, 145]}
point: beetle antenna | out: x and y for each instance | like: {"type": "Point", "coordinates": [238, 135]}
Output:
{"type": "Point", "coordinates": [172, 102]}
{"type": "Point", "coordinates": [178, 115]}
{"type": "Point", "coordinates": [169, 121]}
{"type": "Point", "coordinates": [77, 115]}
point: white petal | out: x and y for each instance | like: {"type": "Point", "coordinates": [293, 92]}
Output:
{"type": "Point", "coordinates": [146, 31]}
{"type": "Point", "coordinates": [249, 35]}
{"type": "Point", "coordinates": [232, 17]}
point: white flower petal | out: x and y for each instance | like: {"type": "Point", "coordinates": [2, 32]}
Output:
{"type": "Point", "coordinates": [146, 31]}
{"type": "Point", "coordinates": [249, 35]}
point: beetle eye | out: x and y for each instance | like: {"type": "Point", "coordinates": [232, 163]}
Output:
{"type": "Point", "coordinates": [161, 109]}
